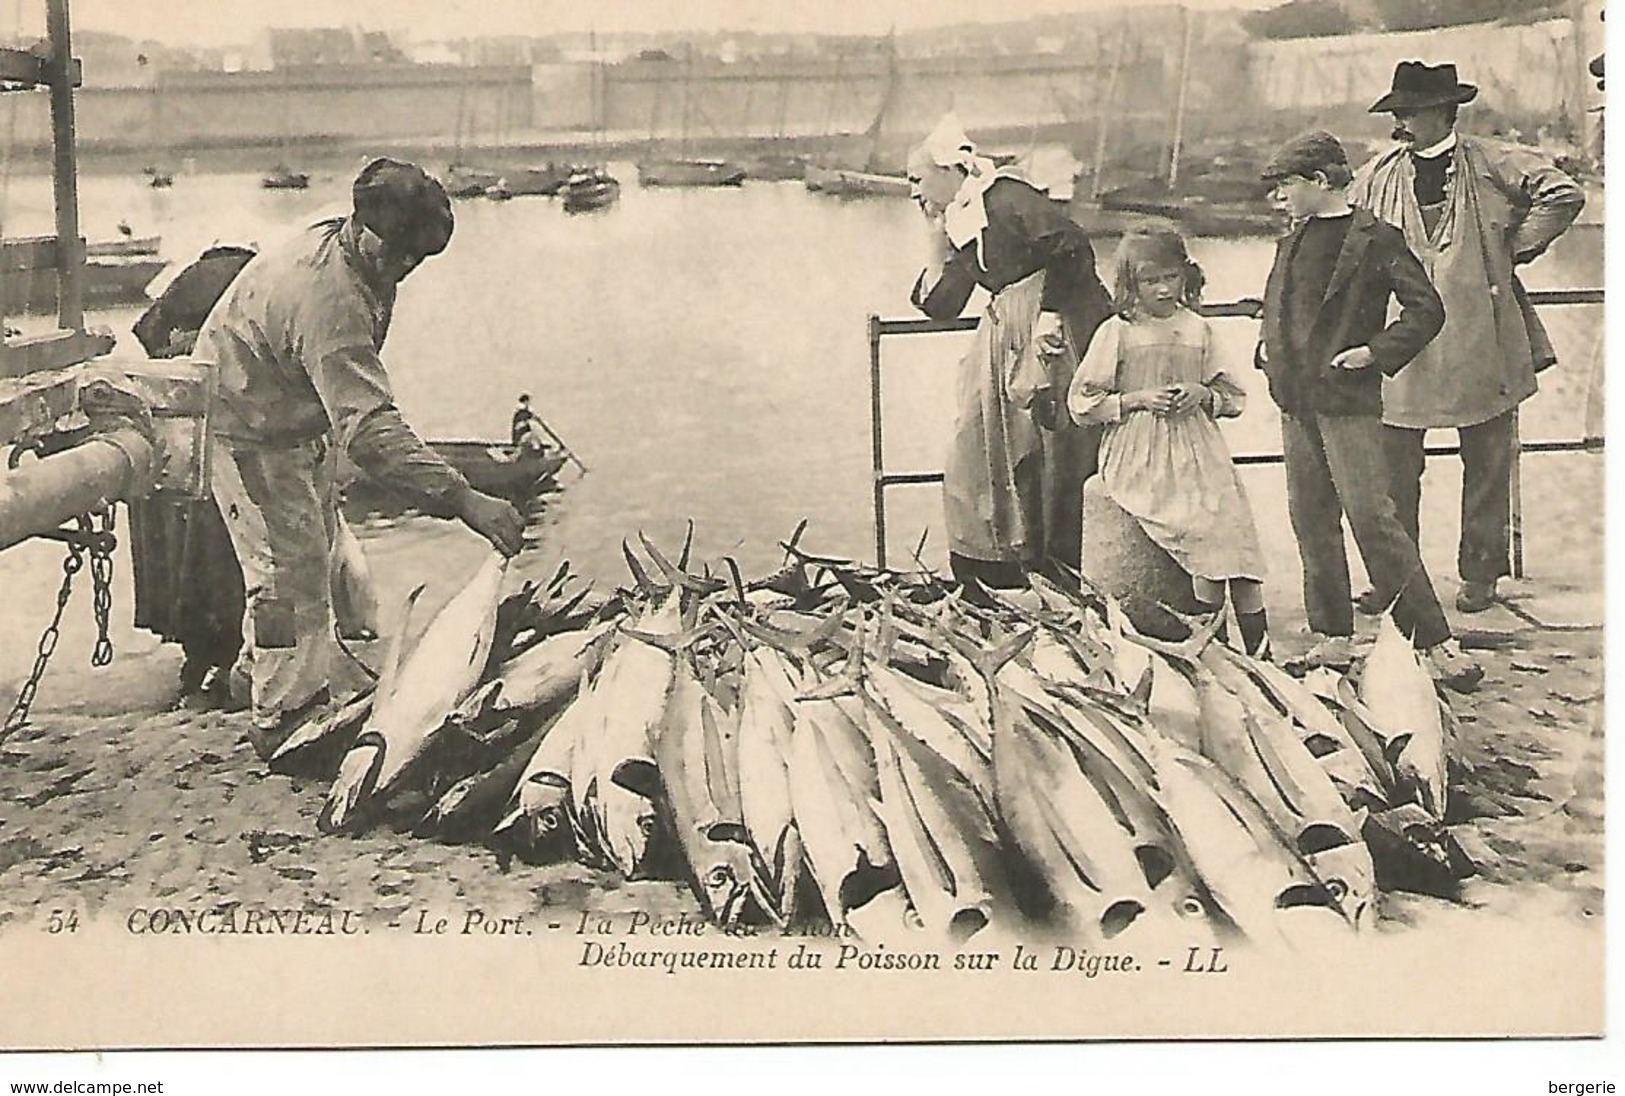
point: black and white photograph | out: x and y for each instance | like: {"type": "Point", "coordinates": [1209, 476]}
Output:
{"type": "Point", "coordinates": [730, 522]}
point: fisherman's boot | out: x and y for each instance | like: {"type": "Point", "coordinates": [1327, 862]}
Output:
{"type": "Point", "coordinates": [1475, 597]}
{"type": "Point", "coordinates": [267, 733]}
{"type": "Point", "coordinates": [1452, 667]}
{"type": "Point", "coordinates": [193, 672]}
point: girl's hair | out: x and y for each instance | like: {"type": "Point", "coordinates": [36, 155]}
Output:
{"type": "Point", "coordinates": [1152, 244]}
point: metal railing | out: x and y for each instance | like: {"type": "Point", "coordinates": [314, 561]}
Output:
{"type": "Point", "coordinates": [1246, 308]}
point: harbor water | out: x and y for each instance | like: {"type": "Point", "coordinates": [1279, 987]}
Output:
{"type": "Point", "coordinates": [704, 351]}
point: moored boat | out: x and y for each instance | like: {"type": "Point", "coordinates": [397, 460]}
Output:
{"type": "Point", "coordinates": [123, 245]}
{"type": "Point", "coordinates": [857, 184]}
{"type": "Point", "coordinates": [462, 181]}
{"type": "Point", "coordinates": [589, 190]}
{"type": "Point", "coordinates": [546, 180]}
{"type": "Point", "coordinates": [283, 177]}
{"type": "Point", "coordinates": [689, 173]}
{"type": "Point", "coordinates": [109, 282]}
{"type": "Point", "coordinates": [775, 168]}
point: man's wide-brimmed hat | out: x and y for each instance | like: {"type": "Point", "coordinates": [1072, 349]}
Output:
{"type": "Point", "coordinates": [1417, 86]}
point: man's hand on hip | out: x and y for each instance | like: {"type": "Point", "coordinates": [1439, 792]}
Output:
{"type": "Point", "coordinates": [1355, 357]}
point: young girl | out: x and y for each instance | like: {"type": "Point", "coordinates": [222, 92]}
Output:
{"type": "Point", "coordinates": [1150, 378]}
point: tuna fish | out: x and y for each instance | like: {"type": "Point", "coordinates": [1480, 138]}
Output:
{"type": "Point", "coordinates": [416, 693]}
{"type": "Point", "coordinates": [941, 835]}
{"type": "Point", "coordinates": [702, 801]}
{"type": "Point", "coordinates": [766, 726]}
{"type": "Point", "coordinates": [355, 598]}
{"type": "Point", "coordinates": [634, 686]}
{"type": "Point", "coordinates": [1260, 883]}
{"type": "Point", "coordinates": [540, 812]}
{"type": "Point", "coordinates": [832, 789]}
{"type": "Point", "coordinates": [1400, 695]}
{"type": "Point", "coordinates": [538, 677]}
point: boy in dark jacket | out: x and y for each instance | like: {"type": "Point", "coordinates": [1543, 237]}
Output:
{"type": "Point", "coordinates": [1327, 344]}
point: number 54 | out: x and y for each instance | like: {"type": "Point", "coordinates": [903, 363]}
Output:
{"type": "Point", "coordinates": [62, 921]}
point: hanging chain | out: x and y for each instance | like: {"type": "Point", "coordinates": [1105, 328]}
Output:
{"type": "Point", "coordinates": [101, 586]}
{"type": "Point", "coordinates": [97, 540]}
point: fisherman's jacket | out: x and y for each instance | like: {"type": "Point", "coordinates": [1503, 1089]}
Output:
{"type": "Point", "coordinates": [296, 341]}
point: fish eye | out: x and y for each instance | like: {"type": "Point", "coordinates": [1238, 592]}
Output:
{"type": "Point", "coordinates": [647, 826]}
{"type": "Point", "coordinates": [719, 876]}
{"type": "Point", "coordinates": [1191, 906]}
{"type": "Point", "coordinates": [547, 821]}
{"type": "Point", "coordinates": [1337, 889]}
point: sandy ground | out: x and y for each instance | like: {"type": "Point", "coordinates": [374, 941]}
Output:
{"type": "Point", "coordinates": [109, 801]}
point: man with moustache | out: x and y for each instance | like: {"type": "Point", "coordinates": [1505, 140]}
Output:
{"type": "Point", "coordinates": [1472, 210]}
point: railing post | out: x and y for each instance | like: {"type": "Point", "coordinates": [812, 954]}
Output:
{"type": "Point", "coordinates": [1515, 510]}
{"type": "Point", "coordinates": [876, 442]}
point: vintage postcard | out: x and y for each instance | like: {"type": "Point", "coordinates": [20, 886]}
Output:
{"type": "Point", "coordinates": [1060, 521]}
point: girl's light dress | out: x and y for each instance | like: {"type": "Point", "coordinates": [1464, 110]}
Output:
{"type": "Point", "coordinates": [1173, 475]}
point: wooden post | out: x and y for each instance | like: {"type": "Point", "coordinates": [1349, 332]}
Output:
{"type": "Point", "coordinates": [70, 249]}
{"type": "Point", "coordinates": [1515, 509]}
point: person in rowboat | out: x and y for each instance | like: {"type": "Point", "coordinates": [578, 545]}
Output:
{"type": "Point", "coordinates": [1013, 482]}
{"type": "Point", "coordinates": [527, 426]}
{"type": "Point", "coordinates": [295, 341]}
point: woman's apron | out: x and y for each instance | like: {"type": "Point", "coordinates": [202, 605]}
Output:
{"type": "Point", "coordinates": [994, 497]}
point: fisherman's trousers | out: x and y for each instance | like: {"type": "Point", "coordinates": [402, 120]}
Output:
{"type": "Point", "coordinates": [278, 505]}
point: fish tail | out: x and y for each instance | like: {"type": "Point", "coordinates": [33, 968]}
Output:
{"type": "Point", "coordinates": [357, 779]}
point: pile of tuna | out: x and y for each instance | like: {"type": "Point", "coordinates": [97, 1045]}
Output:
{"type": "Point", "coordinates": [876, 752]}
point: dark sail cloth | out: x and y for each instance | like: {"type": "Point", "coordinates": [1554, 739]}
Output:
{"type": "Point", "coordinates": [188, 586]}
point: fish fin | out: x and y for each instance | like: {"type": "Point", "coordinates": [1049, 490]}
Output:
{"type": "Point", "coordinates": [673, 644]}
{"type": "Point", "coordinates": [842, 684]}
{"type": "Point", "coordinates": [645, 584]}
{"type": "Point", "coordinates": [397, 643]}
{"type": "Point", "coordinates": [1395, 746]}
{"type": "Point", "coordinates": [688, 546]}
{"type": "Point", "coordinates": [1141, 693]}
{"type": "Point", "coordinates": [738, 580]}
{"type": "Point", "coordinates": [674, 573]}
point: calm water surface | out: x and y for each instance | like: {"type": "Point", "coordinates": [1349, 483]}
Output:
{"type": "Point", "coordinates": [703, 351]}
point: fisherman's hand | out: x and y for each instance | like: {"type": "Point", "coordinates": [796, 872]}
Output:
{"type": "Point", "coordinates": [494, 519]}
{"type": "Point", "coordinates": [1186, 397]}
{"type": "Point", "coordinates": [1355, 357]}
{"type": "Point", "coordinates": [1050, 335]}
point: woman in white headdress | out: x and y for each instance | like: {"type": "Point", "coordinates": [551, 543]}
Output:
{"type": "Point", "coordinates": [1015, 469]}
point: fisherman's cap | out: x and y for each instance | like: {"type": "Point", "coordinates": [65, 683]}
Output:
{"type": "Point", "coordinates": [1417, 86]}
{"type": "Point", "coordinates": [1304, 155]}
{"type": "Point", "coordinates": [405, 205]}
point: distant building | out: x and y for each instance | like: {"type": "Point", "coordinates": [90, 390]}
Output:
{"type": "Point", "coordinates": [313, 47]}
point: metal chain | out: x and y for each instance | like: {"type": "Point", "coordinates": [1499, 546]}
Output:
{"type": "Point", "coordinates": [100, 541]}
{"type": "Point", "coordinates": [47, 644]}
{"type": "Point", "coordinates": [101, 582]}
